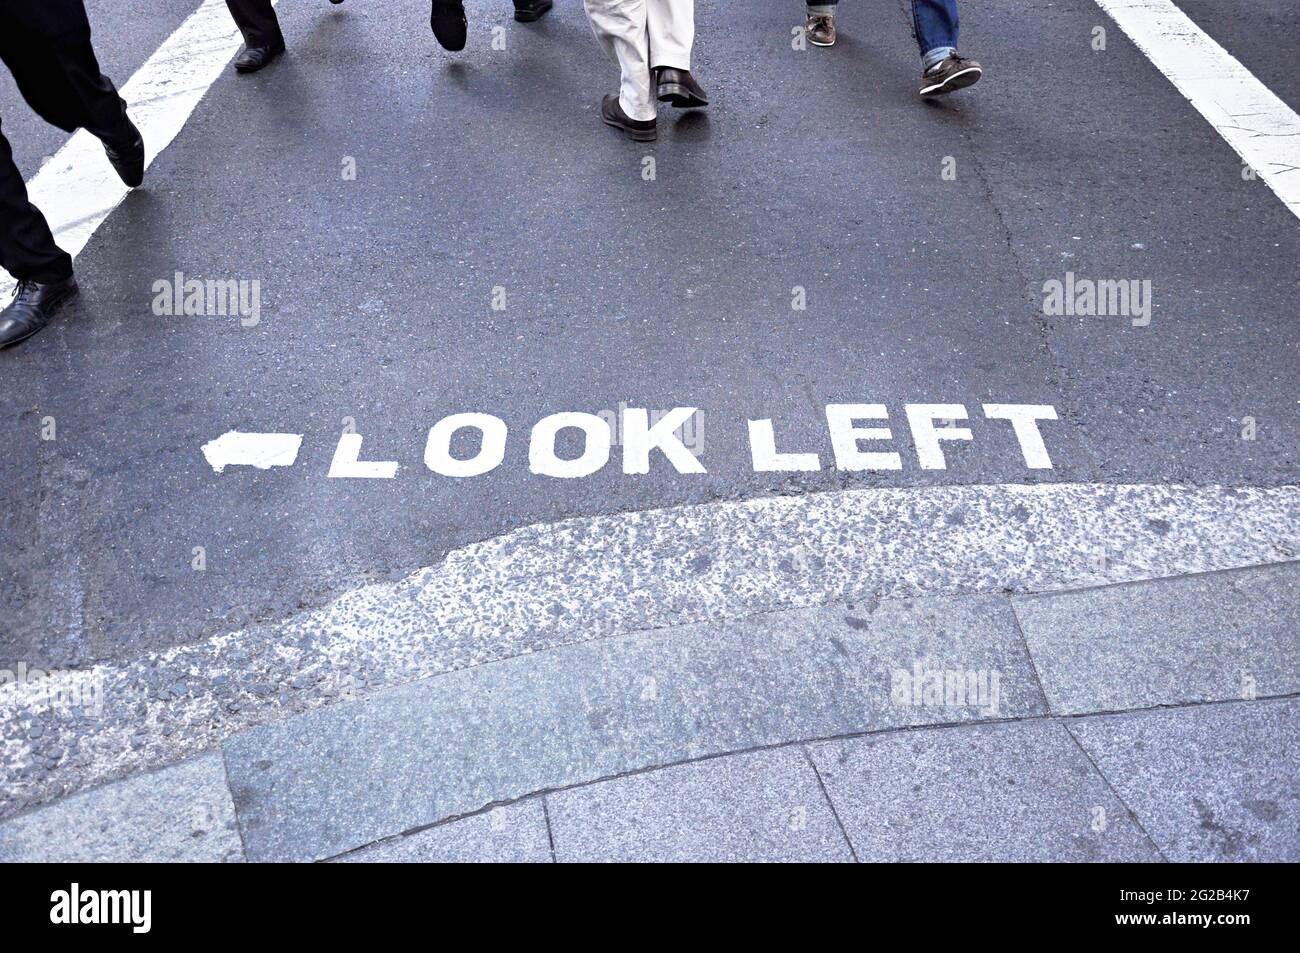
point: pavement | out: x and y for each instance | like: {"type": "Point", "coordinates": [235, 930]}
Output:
{"type": "Point", "coordinates": [986, 659]}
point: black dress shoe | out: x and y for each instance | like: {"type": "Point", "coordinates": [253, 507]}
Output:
{"type": "Point", "coordinates": [528, 11]}
{"type": "Point", "coordinates": [32, 307]}
{"type": "Point", "coordinates": [641, 130]}
{"type": "Point", "coordinates": [678, 87]}
{"type": "Point", "coordinates": [253, 58]}
{"type": "Point", "coordinates": [128, 160]}
{"type": "Point", "coordinates": [447, 19]}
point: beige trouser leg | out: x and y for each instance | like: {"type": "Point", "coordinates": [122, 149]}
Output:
{"type": "Point", "coordinates": [672, 31]}
{"type": "Point", "coordinates": [620, 26]}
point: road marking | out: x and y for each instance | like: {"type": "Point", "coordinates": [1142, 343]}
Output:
{"type": "Point", "coordinates": [260, 450]}
{"type": "Point", "coordinates": [1262, 129]}
{"type": "Point", "coordinates": [557, 584]}
{"type": "Point", "coordinates": [77, 188]}
{"type": "Point", "coordinates": [929, 425]}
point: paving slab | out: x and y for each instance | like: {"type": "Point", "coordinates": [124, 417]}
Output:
{"type": "Point", "coordinates": [510, 834]}
{"type": "Point", "coordinates": [336, 778]}
{"type": "Point", "coordinates": [1000, 792]}
{"type": "Point", "coordinates": [1209, 782]}
{"type": "Point", "coordinates": [583, 579]}
{"type": "Point", "coordinates": [1212, 637]}
{"type": "Point", "coordinates": [179, 813]}
{"type": "Point", "coordinates": [753, 807]}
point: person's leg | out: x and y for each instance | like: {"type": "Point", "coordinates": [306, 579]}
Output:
{"type": "Point", "coordinates": [257, 21]}
{"type": "Point", "coordinates": [27, 248]}
{"type": "Point", "coordinates": [263, 40]}
{"type": "Point", "coordinates": [672, 35]}
{"type": "Point", "coordinates": [943, 69]}
{"type": "Point", "coordinates": [99, 109]}
{"type": "Point", "coordinates": [55, 69]}
{"type": "Point", "coordinates": [935, 22]}
{"type": "Point", "coordinates": [59, 77]}
{"type": "Point", "coordinates": [620, 26]}
{"type": "Point", "coordinates": [29, 253]}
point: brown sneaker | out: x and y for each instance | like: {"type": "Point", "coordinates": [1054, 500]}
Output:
{"type": "Point", "coordinates": [953, 73]}
{"type": "Point", "coordinates": [820, 29]}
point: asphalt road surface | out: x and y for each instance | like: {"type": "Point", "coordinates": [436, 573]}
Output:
{"type": "Point", "coordinates": [1053, 618]}
{"type": "Point", "coordinates": [922, 235]}
{"type": "Point", "coordinates": [732, 644]}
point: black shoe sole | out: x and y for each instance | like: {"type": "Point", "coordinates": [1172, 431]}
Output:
{"type": "Point", "coordinates": [958, 80]}
{"type": "Point", "coordinates": [532, 16]}
{"type": "Point", "coordinates": [678, 95]}
{"type": "Point", "coordinates": [132, 177]}
{"type": "Point", "coordinates": [455, 43]}
{"type": "Point", "coordinates": [637, 135]}
{"type": "Point", "coordinates": [129, 163]}
{"type": "Point", "coordinates": [54, 308]}
{"type": "Point", "coordinates": [265, 63]}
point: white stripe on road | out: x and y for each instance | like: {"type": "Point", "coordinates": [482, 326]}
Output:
{"type": "Point", "coordinates": [1262, 129]}
{"type": "Point", "coordinates": [77, 188]}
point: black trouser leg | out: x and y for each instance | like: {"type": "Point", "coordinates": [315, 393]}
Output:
{"type": "Point", "coordinates": [60, 79]}
{"type": "Point", "coordinates": [27, 249]}
{"type": "Point", "coordinates": [256, 20]}
{"type": "Point", "coordinates": [46, 45]}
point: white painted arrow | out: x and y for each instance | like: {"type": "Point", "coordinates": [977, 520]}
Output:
{"type": "Point", "coordinates": [260, 450]}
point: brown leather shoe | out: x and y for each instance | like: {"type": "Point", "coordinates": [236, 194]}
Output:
{"type": "Point", "coordinates": [954, 73]}
{"type": "Point", "coordinates": [820, 29]}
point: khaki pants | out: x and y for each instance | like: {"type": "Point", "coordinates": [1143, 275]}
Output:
{"type": "Point", "coordinates": [640, 35]}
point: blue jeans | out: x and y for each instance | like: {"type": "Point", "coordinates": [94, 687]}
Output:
{"type": "Point", "coordinates": [935, 22]}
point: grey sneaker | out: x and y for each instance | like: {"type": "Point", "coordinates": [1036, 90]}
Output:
{"type": "Point", "coordinates": [954, 73]}
{"type": "Point", "coordinates": [820, 29]}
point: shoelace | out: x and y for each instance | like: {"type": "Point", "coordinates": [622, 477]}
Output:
{"type": "Point", "coordinates": [25, 291]}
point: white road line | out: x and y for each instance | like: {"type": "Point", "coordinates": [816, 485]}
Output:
{"type": "Point", "coordinates": [77, 188]}
{"type": "Point", "coordinates": [1262, 129]}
